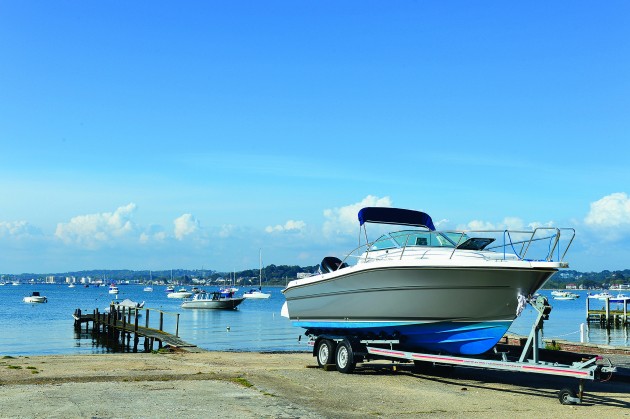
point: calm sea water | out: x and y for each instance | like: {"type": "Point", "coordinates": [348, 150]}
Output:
{"type": "Point", "coordinates": [40, 329]}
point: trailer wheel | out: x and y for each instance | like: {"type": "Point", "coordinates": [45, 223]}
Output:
{"type": "Point", "coordinates": [345, 357]}
{"type": "Point", "coordinates": [325, 352]}
{"type": "Point", "coordinates": [566, 395]}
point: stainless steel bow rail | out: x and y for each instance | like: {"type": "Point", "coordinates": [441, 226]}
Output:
{"type": "Point", "coordinates": [344, 352]}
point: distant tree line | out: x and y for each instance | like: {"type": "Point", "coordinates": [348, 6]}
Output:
{"type": "Point", "coordinates": [271, 275]}
{"type": "Point", "coordinates": [281, 274]}
{"type": "Point", "coordinates": [603, 279]}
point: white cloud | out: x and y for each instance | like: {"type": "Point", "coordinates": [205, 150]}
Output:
{"type": "Point", "coordinates": [343, 221]}
{"type": "Point", "coordinates": [159, 236]}
{"type": "Point", "coordinates": [226, 231]}
{"type": "Point", "coordinates": [610, 211]}
{"type": "Point", "coordinates": [18, 229]}
{"type": "Point", "coordinates": [92, 229]}
{"type": "Point", "coordinates": [185, 226]}
{"type": "Point", "coordinates": [290, 225]}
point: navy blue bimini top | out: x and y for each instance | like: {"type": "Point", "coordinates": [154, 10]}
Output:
{"type": "Point", "coordinates": [399, 216]}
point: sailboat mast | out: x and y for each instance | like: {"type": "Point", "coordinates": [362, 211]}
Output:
{"type": "Point", "coordinates": [260, 269]}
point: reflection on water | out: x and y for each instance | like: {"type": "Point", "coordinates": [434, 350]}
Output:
{"type": "Point", "coordinates": [617, 336]}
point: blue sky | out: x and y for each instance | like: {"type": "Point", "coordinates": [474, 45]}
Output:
{"type": "Point", "coordinates": [157, 135]}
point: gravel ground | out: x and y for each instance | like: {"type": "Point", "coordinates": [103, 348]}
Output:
{"type": "Point", "coordinates": [281, 385]}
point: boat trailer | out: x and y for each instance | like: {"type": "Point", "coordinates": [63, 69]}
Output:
{"type": "Point", "coordinates": [344, 352]}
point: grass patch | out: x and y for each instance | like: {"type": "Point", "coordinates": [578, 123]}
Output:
{"type": "Point", "coordinates": [34, 372]}
{"type": "Point", "coordinates": [553, 346]}
{"type": "Point", "coordinates": [14, 367]}
{"type": "Point", "coordinates": [8, 357]}
{"type": "Point", "coordinates": [31, 368]}
{"type": "Point", "coordinates": [242, 381]}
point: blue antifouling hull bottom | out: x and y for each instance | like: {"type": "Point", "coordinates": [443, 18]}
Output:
{"type": "Point", "coordinates": [458, 338]}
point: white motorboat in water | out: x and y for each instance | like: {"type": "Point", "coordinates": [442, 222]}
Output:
{"type": "Point", "coordinates": [565, 295]}
{"type": "Point", "coordinates": [601, 296]}
{"type": "Point", "coordinates": [35, 297]}
{"type": "Point", "coordinates": [256, 294]}
{"type": "Point", "coordinates": [438, 291]}
{"type": "Point", "coordinates": [181, 293]}
{"type": "Point", "coordinates": [113, 289]}
{"type": "Point", "coordinates": [213, 300]}
{"type": "Point", "coordinates": [147, 289]}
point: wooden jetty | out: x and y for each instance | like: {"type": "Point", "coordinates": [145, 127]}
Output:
{"type": "Point", "coordinates": [120, 328]}
{"type": "Point", "coordinates": [608, 312]}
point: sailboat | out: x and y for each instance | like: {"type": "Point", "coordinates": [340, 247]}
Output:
{"type": "Point", "coordinates": [257, 293]}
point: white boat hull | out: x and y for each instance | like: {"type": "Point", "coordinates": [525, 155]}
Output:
{"type": "Point", "coordinates": [35, 300]}
{"type": "Point", "coordinates": [179, 294]}
{"type": "Point", "coordinates": [256, 295]}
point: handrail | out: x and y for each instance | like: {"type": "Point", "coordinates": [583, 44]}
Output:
{"type": "Point", "coordinates": [526, 243]}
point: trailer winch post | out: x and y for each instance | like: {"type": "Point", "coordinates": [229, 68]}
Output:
{"type": "Point", "coordinates": [541, 304]}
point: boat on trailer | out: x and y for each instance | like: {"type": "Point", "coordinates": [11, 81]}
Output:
{"type": "Point", "coordinates": [440, 297]}
{"type": "Point", "coordinates": [453, 292]}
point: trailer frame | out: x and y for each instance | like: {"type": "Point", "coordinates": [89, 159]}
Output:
{"type": "Point", "coordinates": [345, 351]}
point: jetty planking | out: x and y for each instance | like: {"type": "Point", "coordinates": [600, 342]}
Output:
{"type": "Point", "coordinates": [120, 327]}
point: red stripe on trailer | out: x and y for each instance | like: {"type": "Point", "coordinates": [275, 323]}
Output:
{"type": "Point", "coordinates": [572, 372]}
{"type": "Point", "coordinates": [386, 352]}
{"type": "Point", "coordinates": [437, 358]}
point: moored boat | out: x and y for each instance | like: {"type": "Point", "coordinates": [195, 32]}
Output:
{"type": "Point", "coordinates": [113, 289]}
{"type": "Point", "coordinates": [213, 300]}
{"type": "Point", "coordinates": [601, 296]}
{"type": "Point", "coordinates": [181, 293]}
{"type": "Point", "coordinates": [257, 294]}
{"type": "Point", "coordinates": [130, 306]}
{"type": "Point", "coordinates": [565, 295]}
{"type": "Point", "coordinates": [439, 291]}
{"type": "Point", "coordinates": [35, 297]}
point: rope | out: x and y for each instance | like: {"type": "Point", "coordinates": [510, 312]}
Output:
{"type": "Point", "coordinates": [559, 336]}
{"type": "Point", "coordinates": [511, 244]}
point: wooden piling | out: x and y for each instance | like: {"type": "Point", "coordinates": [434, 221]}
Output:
{"type": "Point", "coordinates": [115, 328]}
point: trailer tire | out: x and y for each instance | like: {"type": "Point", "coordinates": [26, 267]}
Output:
{"type": "Point", "coordinates": [345, 357]}
{"type": "Point", "coordinates": [565, 395]}
{"type": "Point", "coordinates": [325, 352]}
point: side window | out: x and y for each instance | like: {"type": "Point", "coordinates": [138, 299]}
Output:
{"type": "Point", "coordinates": [421, 241]}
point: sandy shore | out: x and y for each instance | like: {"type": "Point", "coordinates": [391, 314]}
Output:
{"type": "Point", "coordinates": [287, 385]}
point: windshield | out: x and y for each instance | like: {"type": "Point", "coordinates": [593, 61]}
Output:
{"type": "Point", "coordinates": [410, 238]}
